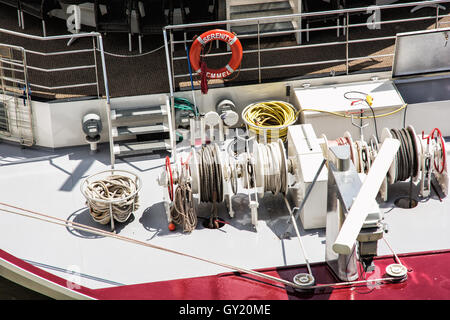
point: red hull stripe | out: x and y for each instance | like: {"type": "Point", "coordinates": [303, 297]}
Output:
{"type": "Point", "coordinates": [428, 278]}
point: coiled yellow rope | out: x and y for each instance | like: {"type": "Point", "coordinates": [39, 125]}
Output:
{"type": "Point", "coordinates": [273, 117]}
{"type": "Point", "coordinates": [114, 187]}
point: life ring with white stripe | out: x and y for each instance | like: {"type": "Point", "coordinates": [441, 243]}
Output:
{"type": "Point", "coordinates": [222, 35]}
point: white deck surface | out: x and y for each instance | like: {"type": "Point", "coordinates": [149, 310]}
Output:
{"type": "Point", "coordinates": [52, 186]}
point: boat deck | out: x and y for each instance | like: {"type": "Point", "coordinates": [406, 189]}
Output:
{"type": "Point", "coordinates": [48, 182]}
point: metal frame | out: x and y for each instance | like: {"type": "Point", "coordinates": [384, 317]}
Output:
{"type": "Point", "coordinates": [23, 119]}
{"type": "Point", "coordinates": [95, 36]}
{"type": "Point", "coordinates": [169, 30]}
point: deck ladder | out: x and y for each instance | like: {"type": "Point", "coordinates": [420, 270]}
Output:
{"type": "Point", "coordinates": [16, 120]}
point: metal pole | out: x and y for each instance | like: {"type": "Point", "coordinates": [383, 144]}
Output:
{"type": "Point", "coordinates": [108, 100]}
{"type": "Point", "coordinates": [172, 98]}
{"type": "Point", "coordinates": [298, 236]}
{"type": "Point", "coordinates": [346, 42]}
{"type": "Point", "coordinates": [259, 53]}
{"type": "Point", "coordinates": [437, 17]}
{"type": "Point", "coordinates": [96, 66]}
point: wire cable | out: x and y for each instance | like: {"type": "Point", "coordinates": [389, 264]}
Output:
{"type": "Point", "coordinates": [368, 100]}
{"type": "Point", "coordinates": [346, 115]}
{"type": "Point", "coordinates": [406, 157]}
{"type": "Point", "coordinates": [211, 189]}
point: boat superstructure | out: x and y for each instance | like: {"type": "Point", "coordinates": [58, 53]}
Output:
{"type": "Point", "coordinates": [345, 200]}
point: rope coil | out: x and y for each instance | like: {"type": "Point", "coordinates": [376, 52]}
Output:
{"type": "Point", "coordinates": [406, 158]}
{"type": "Point", "coordinates": [211, 189]}
{"type": "Point", "coordinates": [274, 170]}
{"type": "Point", "coordinates": [271, 118]}
{"type": "Point", "coordinates": [182, 211]}
{"type": "Point", "coordinates": [115, 194]}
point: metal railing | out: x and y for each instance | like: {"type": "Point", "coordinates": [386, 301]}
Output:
{"type": "Point", "coordinates": [93, 67]}
{"type": "Point", "coordinates": [17, 125]}
{"type": "Point", "coordinates": [96, 39]}
{"type": "Point", "coordinates": [345, 14]}
{"type": "Point", "coordinates": [296, 19]}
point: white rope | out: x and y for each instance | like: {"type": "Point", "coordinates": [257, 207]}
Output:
{"type": "Point", "coordinates": [108, 191]}
{"type": "Point", "coordinates": [132, 55]}
{"type": "Point", "coordinates": [78, 226]}
{"type": "Point", "coordinates": [274, 175]}
{"type": "Point", "coordinates": [182, 211]}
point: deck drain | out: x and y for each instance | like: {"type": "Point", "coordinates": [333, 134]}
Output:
{"type": "Point", "coordinates": [406, 203]}
{"type": "Point", "coordinates": [216, 223]}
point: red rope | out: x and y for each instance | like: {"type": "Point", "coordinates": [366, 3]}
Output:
{"type": "Point", "coordinates": [204, 80]}
{"type": "Point", "coordinates": [169, 170]}
{"type": "Point", "coordinates": [443, 152]}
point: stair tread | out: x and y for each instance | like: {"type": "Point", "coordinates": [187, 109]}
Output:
{"type": "Point", "coordinates": [141, 129]}
{"type": "Point", "coordinates": [139, 147]}
{"type": "Point", "coordinates": [250, 2]}
{"type": "Point", "coordinates": [140, 111]}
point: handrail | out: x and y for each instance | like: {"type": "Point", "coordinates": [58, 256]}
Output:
{"type": "Point", "coordinates": [95, 36]}
{"type": "Point", "coordinates": [169, 42]}
{"type": "Point", "coordinates": [304, 15]}
{"type": "Point", "coordinates": [170, 57]}
{"type": "Point", "coordinates": [64, 37]}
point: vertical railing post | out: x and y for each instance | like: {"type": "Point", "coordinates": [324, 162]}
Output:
{"type": "Point", "coordinates": [172, 50]}
{"type": "Point", "coordinates": [96, 66]}
{"type": "Point", "coordinates": [437, 17]}
{"type": "Point", "coordinates": [108, 100]}
{"type": "Point", "coordinates": [28, 99]}
{"type": "Point", "coordinates": [170, 74]}
{"type": "Point", "coordinates": [259, 53]}
{"type": "Point", "coordinates": [346, 42]}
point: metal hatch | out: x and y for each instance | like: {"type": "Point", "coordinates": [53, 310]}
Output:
{"type": "Point", "coordinates": [421, 52]}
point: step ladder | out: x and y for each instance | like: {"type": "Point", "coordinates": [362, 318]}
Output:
{"type": "Point", "coordinates": [244, 9]}
{"type": "Point", "coordinates": [141, 130]}
{"type": "Point", "coordinates": [16, 119]}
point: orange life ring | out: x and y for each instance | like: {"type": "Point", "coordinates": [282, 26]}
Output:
{"type": "Point", "coordinates": [222, 35]}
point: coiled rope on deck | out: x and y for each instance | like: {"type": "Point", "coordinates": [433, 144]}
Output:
{"type": "Point", "coordinates": [274, 117]}
{"type": "Point", "coordinates": [104, 195]}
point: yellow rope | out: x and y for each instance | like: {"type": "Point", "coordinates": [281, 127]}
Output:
{"type": "Point", "coordinates": [356, 117]}
{"type": "Point", "coordinates": [270, 115]}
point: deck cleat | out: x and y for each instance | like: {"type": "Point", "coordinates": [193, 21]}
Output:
{"type": "Point", "coordinates": [397, 271]}
{"type": "Point", "coordinates": [304, 280]}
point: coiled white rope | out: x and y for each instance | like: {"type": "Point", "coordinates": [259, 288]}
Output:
{"type": "Point", "coordinates": [103, 197]}
{"type": "Point", "coordinates": [273, 170]}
